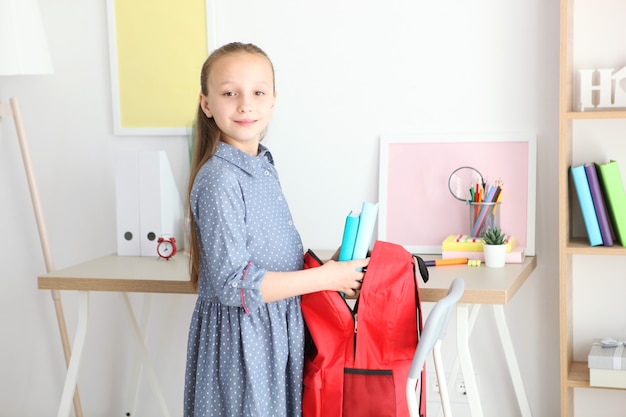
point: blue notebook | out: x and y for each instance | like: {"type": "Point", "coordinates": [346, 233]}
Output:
{"type": "Point", "coordinates": [586, 205]}
{"type": "Point", "coordinates": [349, 237]}
{"type": "Point", "coordinates": [366, 230]}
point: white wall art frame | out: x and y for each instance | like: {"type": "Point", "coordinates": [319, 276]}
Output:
{"type": "Point", "coordinates": [416, 207]}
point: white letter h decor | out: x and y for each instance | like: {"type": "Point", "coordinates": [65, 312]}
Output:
{"type": "Point", "coordinates": [610, 92]}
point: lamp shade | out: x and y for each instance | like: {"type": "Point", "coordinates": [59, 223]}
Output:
{"type": "Point", "coordinates": [23, 45]}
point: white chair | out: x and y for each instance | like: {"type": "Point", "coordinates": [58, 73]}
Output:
{"type": "Point", "coordinates": [430, 341]}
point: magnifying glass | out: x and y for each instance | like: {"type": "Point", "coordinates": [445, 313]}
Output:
{"type": "Point", "coordinates": [462, 180]}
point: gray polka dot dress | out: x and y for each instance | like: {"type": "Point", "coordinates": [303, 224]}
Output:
{"type": "Point", "coordinates": [244, 357]}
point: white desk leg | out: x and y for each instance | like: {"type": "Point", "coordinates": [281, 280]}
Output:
{"type": "Point", "coordinates": [146, 357]}
{"type": "Point", "coordinates": [77, 353]}
{"type": "Point", "coordinates": [462, 340]}
{"type": "Point", "coordinates": [455, 366]}
{"type": "Point", "coordinates": [145, 315]}
{"type": "Point", "coordinates": [511, 359]}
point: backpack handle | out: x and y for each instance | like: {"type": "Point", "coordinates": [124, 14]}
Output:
{"type": "Point", "coordinates": [421, 266]}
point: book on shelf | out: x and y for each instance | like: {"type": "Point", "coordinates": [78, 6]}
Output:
{"type": "Point", "coordinates": [599, 204]}
{"type": "Point", "coordinates": [515, 256]}
{"type": "Point", "coordinates": [613, 188]}
{"type": "Point", "coordinates": [349, 237]}
{"type": "Point", "coordinates": [581, 184]}
{"type": "Point", "coordinates": [467, 243]}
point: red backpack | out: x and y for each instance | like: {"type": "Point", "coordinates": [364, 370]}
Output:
{"type": "Point", "coordinates": [357, 361]}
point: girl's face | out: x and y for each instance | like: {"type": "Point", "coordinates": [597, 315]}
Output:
{"type": "Point", "coordinates": [240, 98]}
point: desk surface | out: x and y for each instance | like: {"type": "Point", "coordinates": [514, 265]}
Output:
{"type": "Point", "coordinates": [123, 274]}
{"type": "Point", "coordinates": [482, 285]}
{"type": "Point", "coordinates": [154, 275]}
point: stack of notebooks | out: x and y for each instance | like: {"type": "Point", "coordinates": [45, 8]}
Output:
{"type": "Point", "coordinates": [607, 365]}
{"type": "Point", "coordinates": [465, 246]}
{"type": "Point", "coordinates": [358, 232]}
{"type": "Point", "coordinates": [602, 201]}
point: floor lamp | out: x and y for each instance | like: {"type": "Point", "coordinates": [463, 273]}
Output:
{"type": "Point", "coordinates": [24, 51]}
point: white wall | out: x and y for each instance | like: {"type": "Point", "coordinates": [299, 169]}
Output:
{"type": "Point", "coordinates": [346, 73]}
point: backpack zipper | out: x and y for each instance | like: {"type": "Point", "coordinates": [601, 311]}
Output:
{"type": "Point", "coordinates": [355, 317]}
{"type": "Point", "coordinates": [356, 325]}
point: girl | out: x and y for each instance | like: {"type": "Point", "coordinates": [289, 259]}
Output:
{"type": "Point", "coordinates": [246, 338]}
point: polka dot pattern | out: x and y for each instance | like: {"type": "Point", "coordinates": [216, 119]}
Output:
{"type": "Point", "coordinates": [244, 357]}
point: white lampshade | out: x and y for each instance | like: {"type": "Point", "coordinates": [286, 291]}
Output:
{"type": "Point", "coordinates": [23, 46]}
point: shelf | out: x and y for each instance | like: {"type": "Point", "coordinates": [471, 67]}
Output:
{"type": "Point", "coordinates": [589, 24]}
{"type": "Point", "coordinates": [580, 246]}
{"type": "Point", "coordinates": [595, 114]}
{"type": "Point", "coordinates": [578, 375]}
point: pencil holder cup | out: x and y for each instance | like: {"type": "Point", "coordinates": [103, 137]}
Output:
{"type": "Point", "coordinates": [483, 216]}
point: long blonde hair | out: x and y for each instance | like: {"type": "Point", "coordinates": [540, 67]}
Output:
{"type": "Point", "coordinates": [206, 140]}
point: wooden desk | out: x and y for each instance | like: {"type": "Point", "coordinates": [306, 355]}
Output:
{"type": "Point", "coordinates": [483, 286]}
{"type": "Point", "coordinates": [123, 274]}
{"type": "Point", "coordinates": [154, 275]}
{"type": "Point", "coordinates": [126, 274]}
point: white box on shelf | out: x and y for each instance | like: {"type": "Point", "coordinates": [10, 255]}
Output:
{"type": "Point", "coordinates": [609, 378]}
{"type": "Point", "coordinates": [607, 365]}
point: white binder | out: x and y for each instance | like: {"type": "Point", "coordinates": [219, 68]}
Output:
{"type": "Point", "coordinates": [160, 208]}
{"type": "Point", "coordinates": [127, 203]}
{"type": "Point", "coordinates": [151, 204]}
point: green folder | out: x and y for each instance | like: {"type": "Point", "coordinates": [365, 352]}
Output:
{"type": "Point", "coordinates": [613, 188]}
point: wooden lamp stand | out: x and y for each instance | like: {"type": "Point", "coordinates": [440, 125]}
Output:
{"type": "Point", "coordinates": [12, 110]}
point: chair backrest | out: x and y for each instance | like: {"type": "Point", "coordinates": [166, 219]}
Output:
{"type": "Point", "coordinates": [434, 329]}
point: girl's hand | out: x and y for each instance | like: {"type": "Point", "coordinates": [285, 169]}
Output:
{"type": "Point", "coordinates": [345, 277]}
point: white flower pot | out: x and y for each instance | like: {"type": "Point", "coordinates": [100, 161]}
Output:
{"type": "Point", "coordinates": [495, 255]}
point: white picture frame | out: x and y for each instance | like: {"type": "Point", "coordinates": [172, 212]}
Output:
{"type": "Point", "coordinates": [416, 208]}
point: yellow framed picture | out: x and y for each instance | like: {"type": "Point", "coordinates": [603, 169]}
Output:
{"type": "Point", "coordinates": [157, 48]}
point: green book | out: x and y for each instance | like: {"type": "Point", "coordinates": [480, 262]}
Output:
{"type": "Point", "coordinates": [613, 188]}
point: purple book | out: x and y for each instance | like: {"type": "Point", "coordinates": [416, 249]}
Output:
{"type": "Point", "coordinates": [599, 204]}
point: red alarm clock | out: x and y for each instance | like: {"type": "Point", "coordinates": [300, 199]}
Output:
{"type": "Point", "coordinates": [166, 247]}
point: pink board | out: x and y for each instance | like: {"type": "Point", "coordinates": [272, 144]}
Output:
{"type": "Point", "coordinates": [417, 209]}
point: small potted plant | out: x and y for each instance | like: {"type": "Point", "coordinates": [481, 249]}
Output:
{"type": "Point", "coordinates": [494, 247]}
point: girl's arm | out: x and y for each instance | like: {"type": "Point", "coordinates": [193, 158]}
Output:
{"type": "Point", "coordinates": [345, 277]}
